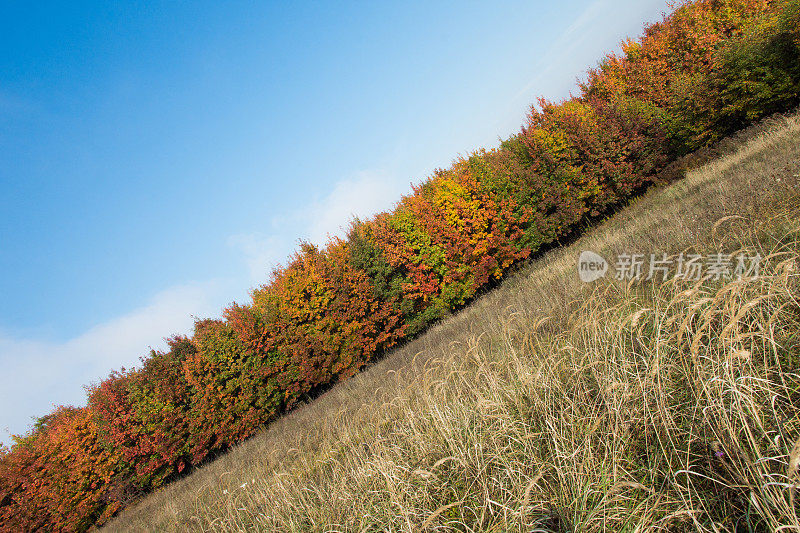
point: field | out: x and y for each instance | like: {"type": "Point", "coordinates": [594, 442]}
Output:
{"type": "Point", "coordinates": [554, 405]}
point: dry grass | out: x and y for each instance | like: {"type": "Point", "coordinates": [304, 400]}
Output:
{"type": "Point", "coordinates": [551, 405]}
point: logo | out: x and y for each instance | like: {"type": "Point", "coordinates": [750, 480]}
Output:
{"type": "Point", "coordinates": [635, 266]}
{"type": "Point", "coordinates": [591, 266]}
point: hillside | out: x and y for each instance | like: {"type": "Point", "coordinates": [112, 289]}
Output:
{"type": "Point", "coordinates": [708, 69]}
{"type": "Point", "coordinates": [555, 405]}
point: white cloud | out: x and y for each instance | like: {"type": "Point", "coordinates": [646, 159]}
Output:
{"type": "Point", "coordinates": [363, 195]}
{"type": "Point", "coordinates": [564, 47]}
{"type": "Point", "coordinates": [38, 375]}
{"type": "Point", "coordinates": [261, 253]}
{"type": "Point", "coordinates": [589, 35]}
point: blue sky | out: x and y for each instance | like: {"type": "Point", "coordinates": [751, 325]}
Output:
{"type": "Point", "coordinates": [158, 158]}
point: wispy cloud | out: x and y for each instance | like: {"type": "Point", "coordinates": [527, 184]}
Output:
{"type": "Point", "coordinates": [261, 253]}
{"type": "Point", "coordinates": [584, 39]}
{"type": "Point", "coordinates": [576, 34]}
{"type": "Point", "coordinates": [363, 195]}
{"type": "Point", "coordinates": [38, 375]}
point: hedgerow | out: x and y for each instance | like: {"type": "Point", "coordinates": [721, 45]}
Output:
{"type": "Point", "coordinates": [709, 68]}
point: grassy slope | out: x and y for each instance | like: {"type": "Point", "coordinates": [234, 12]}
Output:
{"type": "Point", "coordinates": [553, 405]}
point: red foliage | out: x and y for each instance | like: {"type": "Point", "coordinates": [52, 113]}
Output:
{"type": "Point", "coordinates": [144, 415]}
{"type": "Point", "coordinates": [57, 478]}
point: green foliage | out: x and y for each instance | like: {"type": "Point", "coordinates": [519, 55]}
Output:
{"type": "Point", "coordinates": [758, 73]}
